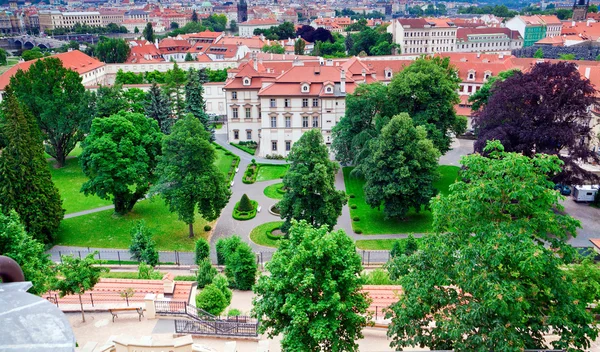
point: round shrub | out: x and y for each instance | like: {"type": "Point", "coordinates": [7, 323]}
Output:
{"type": "Point", "coordinates": [223, 284]}
{"type": "Point", "coordinates": [358, 231]}
{"type": "Point", "coordinates": [207, 228]}
{"type": "Point", "coordinates": [353, 206]}
{"type": "Point", "coordinates": [212, 300]}
{"type": "Point", "coordinates": [253, 161]}
{"type": "Point", "coordinates": [352, 195]}
{"type": "Point", "coordinates": [356, 218]}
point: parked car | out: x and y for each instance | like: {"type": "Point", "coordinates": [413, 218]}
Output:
{"type": "Point", "coordinates": [563, 189]}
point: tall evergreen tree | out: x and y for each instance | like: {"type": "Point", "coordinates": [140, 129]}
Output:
{"type": "Point", "coordinates": [194, 101]}
{"type": "Point", "coordinates": [310, 184]}
{"type": "Point", "coordinates": [188, 178]}
{"type": "Point", "coordinates": [148, 32]}
{"type": "Point", "coordinates": [157, 108]}
{"type": "Point", "coordinates": [194, 16]}
{"type": "Point", "coordinates": [174, 88]}
{"type": "Point", "coordinates": [25, 181]}
{"type": "Point", "coordinates": [299, 46]}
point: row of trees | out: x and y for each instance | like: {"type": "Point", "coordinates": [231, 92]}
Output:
{"type": "Point", "coordinates": [497, 260]}
{"type": "Point", "coordinates": [206, 75]}
{"type": "Point", "coordinates": [283, 31]}
{"type": "Point", "coordinates": [79, 28]}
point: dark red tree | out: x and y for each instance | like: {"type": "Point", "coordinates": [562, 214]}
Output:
{"type": "Point", "coordinates": [545, 110]}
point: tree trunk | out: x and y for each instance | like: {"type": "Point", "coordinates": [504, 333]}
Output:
{"type": "Point", "coordinates": [81, 304]}
{"type": "Point", "coordinates": [191, 227]}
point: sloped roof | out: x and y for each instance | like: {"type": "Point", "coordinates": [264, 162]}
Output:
{"type": "Point", "coordinates": [74, 60]}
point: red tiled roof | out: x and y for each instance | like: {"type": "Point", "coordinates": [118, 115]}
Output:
{"type": "Point", "coordinates": [382, 296]}
{"type": "Point", "coordinates": [463, 33]}
{"type": "Point", "coordinates": [74, 60]}
{"type": "Point", "coordinates": [413, 22]}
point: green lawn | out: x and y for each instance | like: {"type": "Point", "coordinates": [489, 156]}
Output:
{"type": "Point", "coordinates": [259, 234]}
{"type": "Point", "coordinates": [372, 221]}
{"type": "Point", "coordinates": [74, 153]}
{"type": "Point", "coordinates": [224, 161]}
{"type": "Point", "coordinates": [385, 244]}
{"type": "Point", "coordinates": [274, 191]}
{"type": "Point", "coordinates": [69, 180]}
{"type": "Point", "coordinates": [267, 172]}
{"type": "Point", "coordinates": [10, 62]}
{"type": "Point", "coordinates": [105, 230]}
{"type": "Point", "coordinates": [244, 148]}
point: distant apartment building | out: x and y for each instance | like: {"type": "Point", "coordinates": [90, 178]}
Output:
{"type": "Point", "coordinates": [111, 16]}
{"type": "Point", "coordinates": [487, 40]}
{"type": "Point", "coordinates": [137, 15]}
{"type": "Point", "coordinates": [246, 29]}
{"type": "Point", "coordinates": [535, 28]}
{"type": "Point", "coordinates": [50, 20]}
{"type": "Point", "coordinates": [424, 35]}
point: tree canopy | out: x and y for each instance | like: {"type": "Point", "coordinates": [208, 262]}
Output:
{"type": "Point", "coordinates": [310, 182]}
{"type": "Point", "coordinates": [427, 91]}
{"type": "Point", "coordinates": [286, 30]}
{"type": "Point", "coordinates": [542, 111]}
{"type": "Point", "coordinates": [119, 157]}
{"type": "Point", "coordinates": [312, 294]}
{"type": "Point", "coordinates": [59, 102]}
{"type": "Point", "coordinates": [487, 264]}
{"type": "Point", "coordinates": [112, 50]}
{"type": "Point", "coordinates": [400, 169]}
{"type": "Point", "coordinates": [188, 180]}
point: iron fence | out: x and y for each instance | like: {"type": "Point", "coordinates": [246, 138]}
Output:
{"type": "Point", "coordinates": [123, 257]}
{"type": "Point", "coordinates": [216, 327]}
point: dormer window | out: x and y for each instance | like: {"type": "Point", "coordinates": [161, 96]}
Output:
{"type": "Point", "coordinates": [246, 81]}
{"type": "Point", "coordinates": [329, 89]}
{"type": "Point", "coordinates": [471, 76]}
{"type": "Point", "coordinates": [304, 88]}
{"type": "Point", "coordinates": [487, 75]}
{"type": "Point", "coordinates": [388, 73]}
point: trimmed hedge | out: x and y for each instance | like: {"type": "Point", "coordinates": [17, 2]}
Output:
{"type": "Point", "coordinates": [234, 165]}
{"type": "Point", "coordinates": [246, 148]}
{"type": "Point", "coordinates": [358, 231]}
{"type": "Point", "coordinates": [356, 218]}
{"type": "Point", "coordinates": [245, 215]}
{"type": "Point", "coordinates": [351, 195]}
{"type": "Point", "coordinates": [250, 174]}
{"type": "Point", "coordinates": [207, 228]}
{"type": "Point", "coordinates": [353, 206]}
{"type": "Point", "coordinates": [270, 235]}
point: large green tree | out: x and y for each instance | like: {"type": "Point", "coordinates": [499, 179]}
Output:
{"type": "Point", "coordinates": [480, 98]}
{"type": "Point", "coordinates": [157, 108]}
{"type": "Point", "coordinates": [119, 157]}
{"type": "Point", "coordinates": [112, 50]}
{"type": "Point", "coordinates": [188, 178]}
{"type": "Point", "coordinates": [366, 108]}
{"type": "Point", "coordinates": [490, 276]}
{"type": "Point", "coordinates": [241, 267]}
{"type": "Point", "coordinates": [59, 102]}
{"type": "Point", "coordinates": [310, 184]}
{"type": "Point", "coordinates": [110, 100]}
{"type": "Point", "coordinates": [427, 91]}
{"type": "Point", "coordinates": [17, 244]}
{"type": "Point", "coordinates": [312, 294]}
{"type": "Point", "coordinates": [25, 182]}
{"type": "Point", "coordinates": [401, 168]}
{"type": "Point", "coordinates": [77, 275]}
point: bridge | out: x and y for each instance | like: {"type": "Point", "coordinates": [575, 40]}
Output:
{"type": "Point", "coordinates": [26, 42]}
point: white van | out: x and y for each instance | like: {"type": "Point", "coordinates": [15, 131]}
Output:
{"type": "Point", "coordinates": [585, 193]}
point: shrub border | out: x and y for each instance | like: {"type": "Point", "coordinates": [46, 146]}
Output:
{"type": "Point", "coordinates": [244, 148]}
{"type": "Point", "coordinates": [252, 214]}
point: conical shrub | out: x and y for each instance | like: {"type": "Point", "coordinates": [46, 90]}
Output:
{"type": "Point", "coordinates": [245, 204]}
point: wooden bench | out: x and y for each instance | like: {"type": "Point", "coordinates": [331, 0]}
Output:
{"type": "Point", "coordinates": [115, 311]}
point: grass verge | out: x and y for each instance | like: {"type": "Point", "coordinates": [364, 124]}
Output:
{"type": "Point", "coordinates": [258, 234]}
{"type": "Point", "coordinates": [384, 244]}
{"type": "Point", "coordinates": [372, 221]}
{"type": "Point", "coordinates": [274, 191]}
{"type": "Point", "coordinates": [105, 230]}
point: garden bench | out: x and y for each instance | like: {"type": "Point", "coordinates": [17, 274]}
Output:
{"type": "Point", "coordinates": [115, 311]}
{"type": "Point", "coordinates": [258, 209]}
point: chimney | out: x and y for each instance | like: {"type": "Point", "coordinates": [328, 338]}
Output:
{"type": "Point", "coordinates": [329, 62]}
{"type": "Point", "coordinates": [573, 24]}
{"type": "Point", "coordinates": [587, 72]}
{"type": "Point", "coordinates": [156, 42]}
{"type": "Point", "coordinates": [343, 81]}
{"type": "Point", "coordinates": [588, 22]}
{"type": "Point", "coordinates": [254, 61]}
{"type": "Point", "coordinates": [364, 74]}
